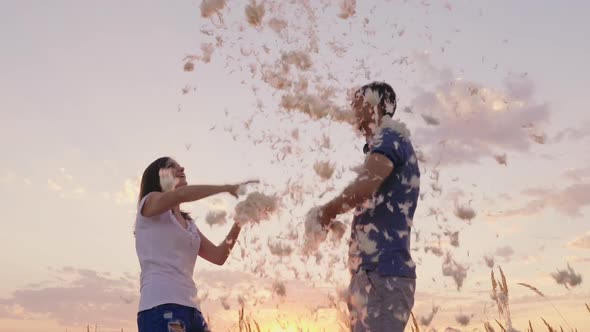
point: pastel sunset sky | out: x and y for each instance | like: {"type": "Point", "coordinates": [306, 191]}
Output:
{"type": "Point", "coordinates": [494, 93]}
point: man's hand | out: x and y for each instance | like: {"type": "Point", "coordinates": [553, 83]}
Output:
{"type": "Point", "coordinates": [338, 229]}
{"type": "Point", "coordinates": [327, 216]}
{"type": "Point", "coordinates": [376, 168]}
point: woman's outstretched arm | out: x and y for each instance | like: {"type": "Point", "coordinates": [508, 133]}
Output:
{"type": "Point", "coordinates": [218, 254]}
{"type": "Point", "coordinates": [159, 202]}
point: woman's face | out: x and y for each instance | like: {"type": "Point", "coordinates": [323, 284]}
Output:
{"type": "Point", "coordinates": [177, 171]}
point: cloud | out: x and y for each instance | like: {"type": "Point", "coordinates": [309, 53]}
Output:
{"type": "Point", "coordinates": [229, 287]}
{"type": "Point", "coordinates": [76, 297]}
{"type": "Point", "coordinates": [7, 176]}
{"type": "Point", "coordinates": [53, 186]}
{"type": "Point", "coordinates": [577, 259]}
{"type": "Point", "coordinates": [505, 252]}
{"type": "Point", "coordinates": [475, 121]}
{"type": "Point", "coordinates": [581, 242]}
{"type": "Point", "coordinates": [565, 298]}
{"type": "Point", "coordinates": [429, 72]}
{"type": "Point", "coordinates": [569, 200]}
{"type": "Point", "coordinates": [532, 259]}
{"type": "Point", "coordinates": [65, 174]}
{"type": "Point", "coordinates": [578, 174]}
{"type": "Point", "coordinates": [573, 134]}
{"type": "Point", "coordinates": [129, 192]}
{"type": "Point", "coordinates": [65, 186]}
{"type": "Point", "coordinates": [221, 278]}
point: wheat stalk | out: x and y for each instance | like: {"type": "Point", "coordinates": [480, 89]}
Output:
{"type": "Point", "coordinates": [504, 288]}
{"type": "Point", "coordinates": [488, 327]}
{"type": "Point", "coordinates": [530, 329]}
{"type": "Point", "coordinates": [241, 323]}
{"type": "Point", "coordinates": [495, 293]}
{"type": "Point", "coordinates": [587, 306]}
{"type": "Point", "coordinates": [502, 327]}
{"type": "Point", "coordinates": [500, 295]}
{"type": "Point", "coordinates": [504, 283]}
{"type": "Point", "coordinates": [548, 326]}
{"type": "Point", "coordinates": [415, 322]}
{"type": "Point", "coordinates": [536, 290]}
{"type": "Point", "coordinates": [494, 284]}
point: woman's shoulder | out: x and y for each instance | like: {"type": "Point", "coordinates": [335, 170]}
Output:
{"type": "Point", "coordinates": [142, 203]}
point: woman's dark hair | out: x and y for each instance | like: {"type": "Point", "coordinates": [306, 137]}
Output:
{"type": "Point", "coordinates": [386, 94]}
{"type": "Point", "coordinates": [150, 180]}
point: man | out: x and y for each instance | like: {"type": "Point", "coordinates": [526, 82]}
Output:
{"type": "Point", "coordinates": [384, 195]}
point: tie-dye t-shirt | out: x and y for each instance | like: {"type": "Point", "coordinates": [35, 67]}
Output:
{"type": "Point", "coordinates": [380, 238]}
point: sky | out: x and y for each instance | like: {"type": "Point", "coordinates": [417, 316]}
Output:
{"type": "Point", "coordinates": [92, 92]}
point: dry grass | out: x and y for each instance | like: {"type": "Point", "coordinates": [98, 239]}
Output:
{"type": "Point", "coordinates": [501, 327]}
{"type": "Point", "coordinates": [415, 327]}
{"type": "Point", "coordinates": [488, 327]}
{"type": "Point", "coordinates": [88, 328]}
{"type": "Point", "coordinates": [547, 325]}
{"type": "Point", "coordinates": [534, 289]}
{"type": "Point", "coordinates": [538, 292]}
{"type": "Point", "coordinates": [246, 324]}
{"type": "Point", "coordinates": [499, 288]}
{"type": "Point", "coordinates": [500, 295]}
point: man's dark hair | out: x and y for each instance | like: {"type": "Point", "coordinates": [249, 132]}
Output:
{"type": "Point", "coordinates": [386, 95]}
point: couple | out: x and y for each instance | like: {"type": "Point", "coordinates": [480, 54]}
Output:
{"type": "Point", "coordinates": [384, 196]}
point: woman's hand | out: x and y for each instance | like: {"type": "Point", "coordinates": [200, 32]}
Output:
{"type": "Point", "coordinates": [239, 189]}
{"type": "Point", "coordinates": [167, 180]}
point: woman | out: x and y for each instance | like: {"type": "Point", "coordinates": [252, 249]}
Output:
{"type": "Point", "coordinates": [167, 242]}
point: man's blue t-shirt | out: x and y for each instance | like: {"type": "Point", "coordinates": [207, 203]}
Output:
{"type": "Point", "coordinates": [380, 237]}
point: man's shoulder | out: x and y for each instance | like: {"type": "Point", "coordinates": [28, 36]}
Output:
{"type": "Point", "coordinates": [393, 135]}
{"type": "Point", "coordinates": [391, 138]}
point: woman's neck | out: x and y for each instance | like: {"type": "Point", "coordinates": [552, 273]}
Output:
{"type": "Point", "coordinates": [176, 209]}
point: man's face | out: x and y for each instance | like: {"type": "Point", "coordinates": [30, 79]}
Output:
{"type": "Point", "coordinates": [364, 116]}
